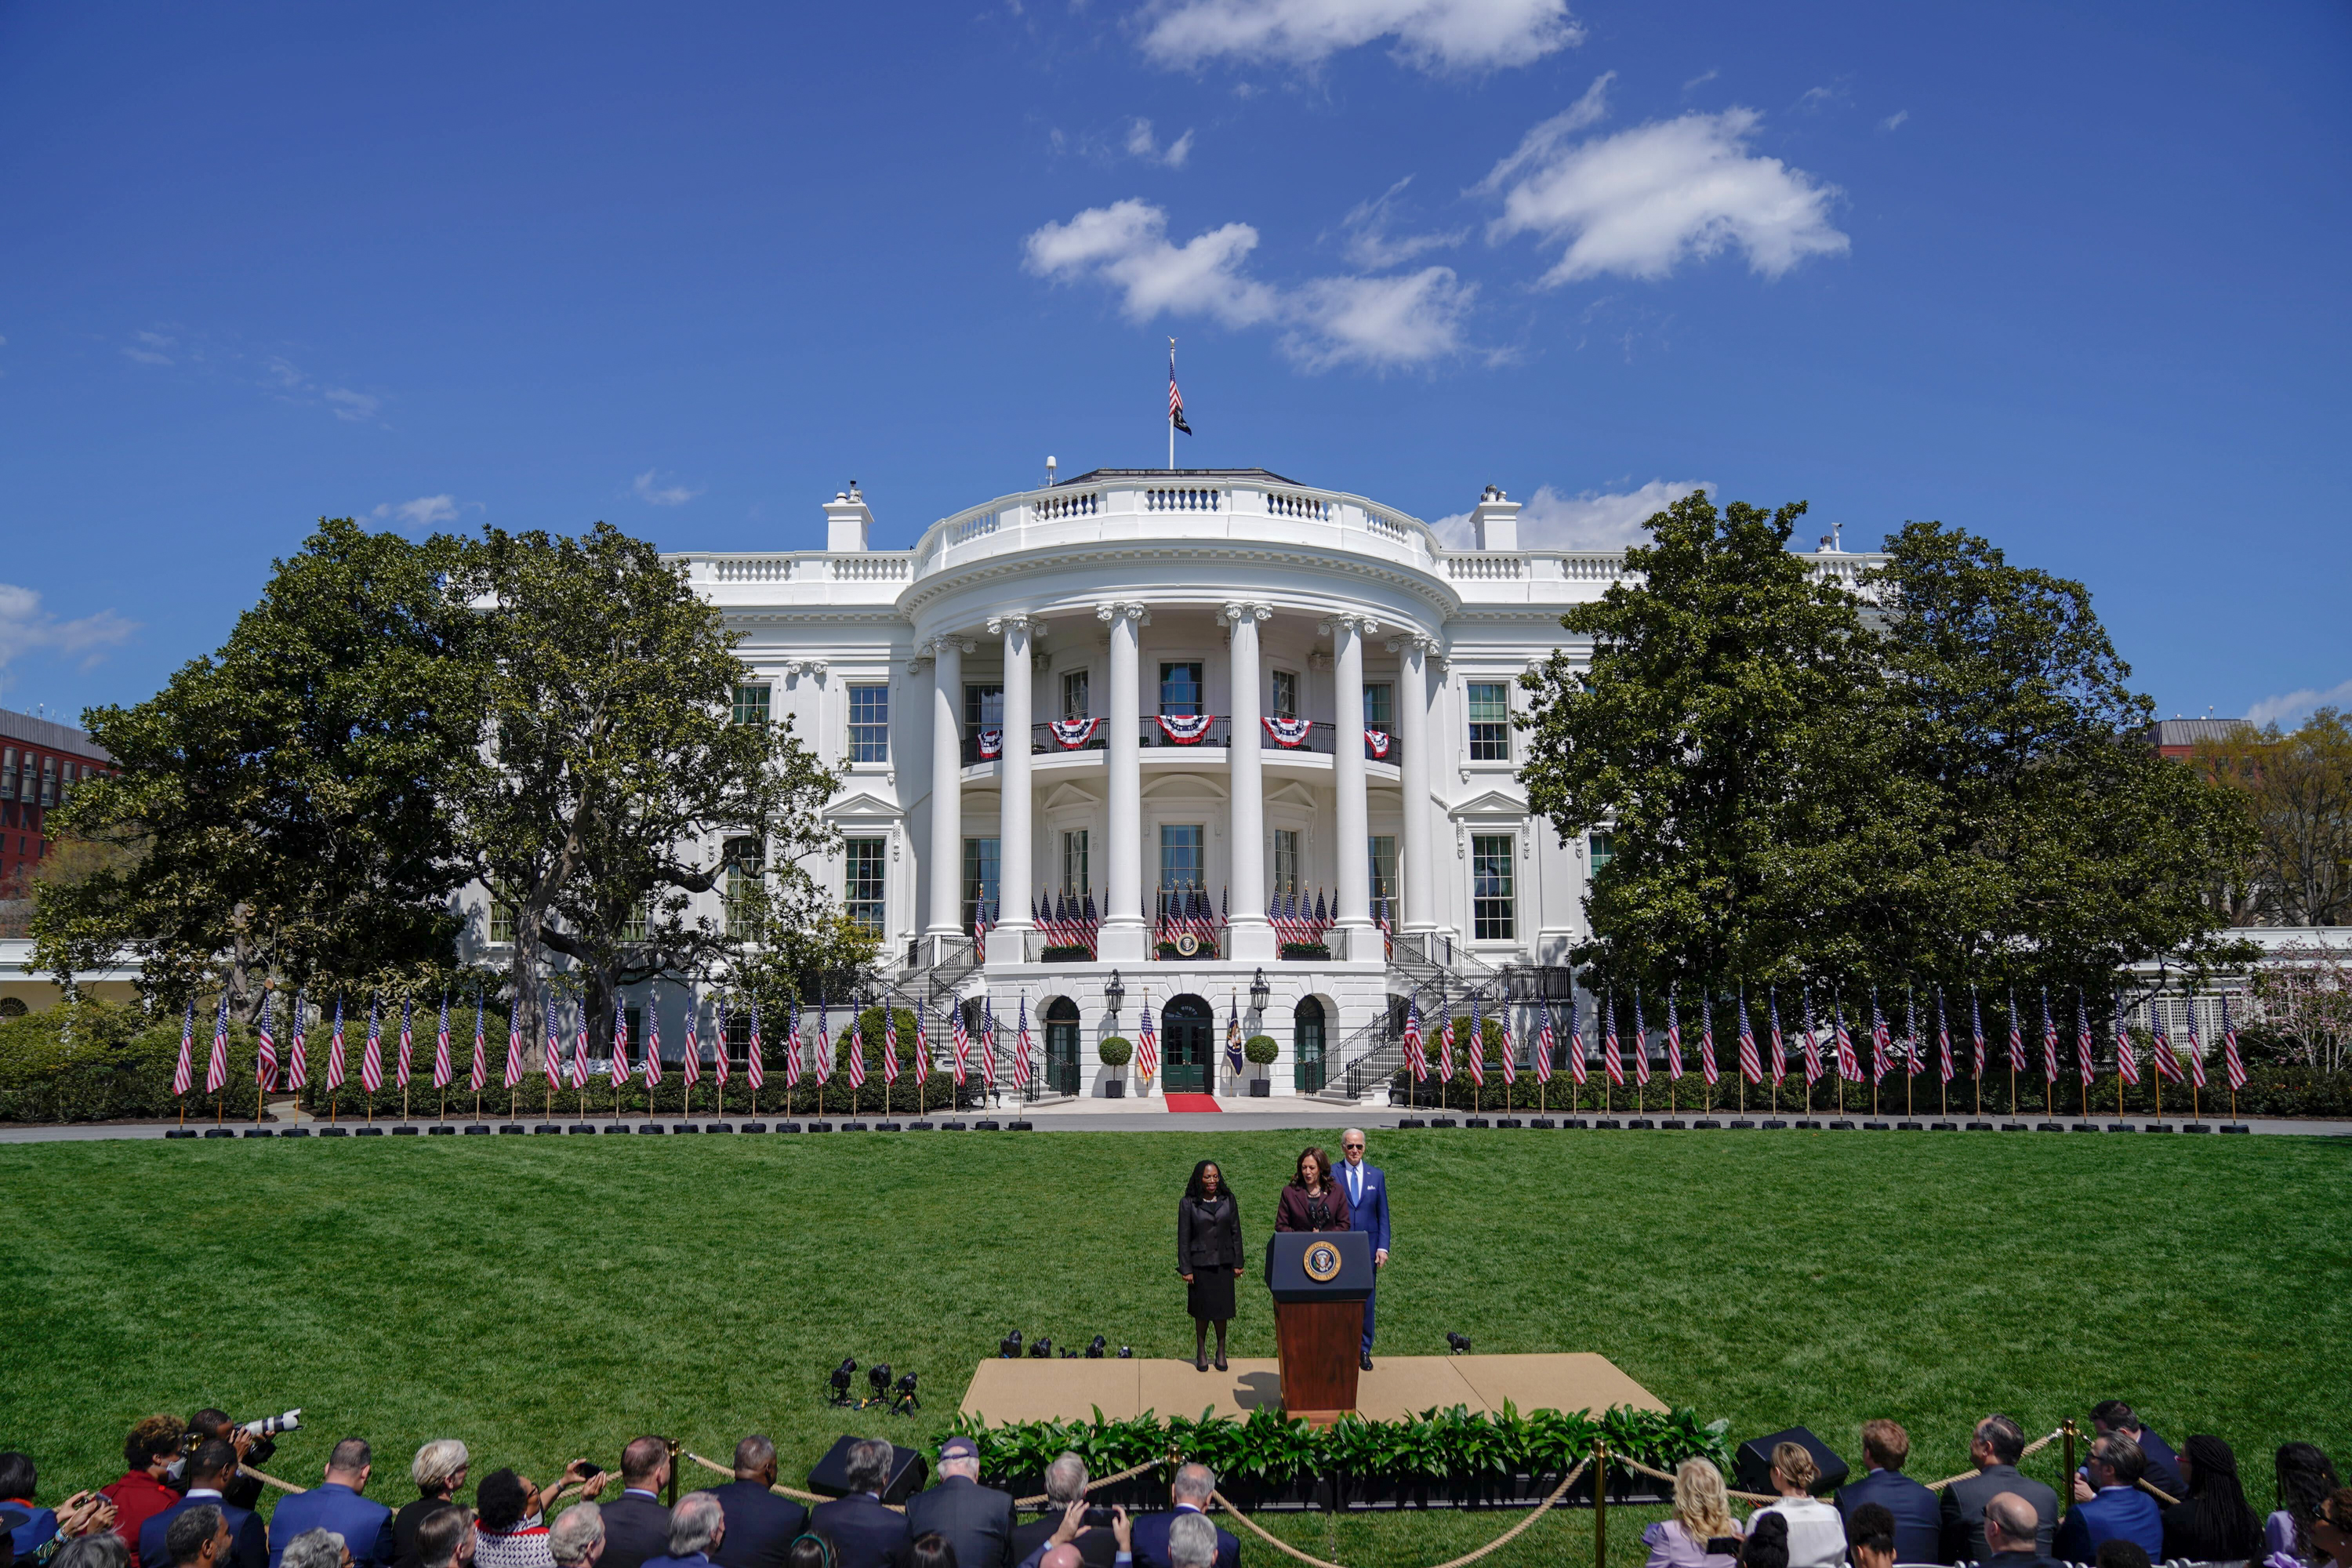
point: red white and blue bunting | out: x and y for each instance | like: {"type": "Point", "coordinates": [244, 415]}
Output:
{"type": "Point", "coordinates": [1291, 733]}
{"type": "Point", "coordinates": [1186, 729]}
{"type": "Point", "coordinates": [992, 743]}
{"type": "Point", "coordinates": [1071, 733]}
{"type": "Point", "coordinates": [1377, 739]}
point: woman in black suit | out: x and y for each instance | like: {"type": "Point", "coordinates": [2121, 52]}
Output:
{"type": "Point", "coordinates": [1208, 1256]}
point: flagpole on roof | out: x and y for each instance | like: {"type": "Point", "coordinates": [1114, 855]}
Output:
{"type": "Point", "coordinates": [1172, 406]}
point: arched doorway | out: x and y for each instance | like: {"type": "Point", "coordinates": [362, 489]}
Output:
{"type": "Point", "coordinates": [1062, 1045]}
{"type": "Point", "coordinates": [1306, 1045]}
{"type": "Point", "coordinates": [1188, 1028]}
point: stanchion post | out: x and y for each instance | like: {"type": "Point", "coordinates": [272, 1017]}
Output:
{"type": "Point", "coordinates": [2066, 1480]}
{"type": "Point", "coordinates": [1601, 1503]}
{"type": "Point", "coordinates": [672, 1501]}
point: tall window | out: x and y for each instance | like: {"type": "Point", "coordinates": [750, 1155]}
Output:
{"type": "Point", "coordinates": [1179, 689]}
{"type": "Point", "coordinates": [750, 705]}
{"type": "Point", "coordinates": [1286, 694]}
{"type": "Point", "coordinates": [979, 884]}
{"type": "Point", "coordinates": [983, 706]}
{"type": "Point", "coordinates": [640, 921]}
{"type": "Point", "coordinates": [1490, 721]}
{"type": "Point", "coordinates": [49, 778]}
{"type": "Point", "coordinates": [1384, 850]}
{"type": "Point", "coordinates": [1379, 707]}
{"type": "Point", "coordinates": [1604, 850]}
{"type": "Point", "coordinates": [1077, 873]}
{"type": "Point", "coordinates": [9, 773]}
{"type": "Point", "coordinates": [1183, 862]}
{"type": "Point", "coordinates": [1306, 1045]}
{"type": "Point", "coordinates": [1491, 904]}
{"type": "Point", "coordinates": [869, 723]}
{"type": "Point", "coordinates": [745, 859]}
{"type": "Point", "coordinates": [502, 918]}
{"type": "Point", "coordinates": [1073, 695]}
{"type": "Point", "coordinates": [863, 880]}
{"type": "Point", "coordinates": [1285, 860]}
{"type": "Point", "coordinates": [738, 1035]}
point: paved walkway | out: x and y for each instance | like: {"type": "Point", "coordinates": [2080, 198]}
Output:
{"type": "Point", "coordinates": [1145, 1116]}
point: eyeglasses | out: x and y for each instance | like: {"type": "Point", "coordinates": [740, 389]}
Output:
{"type": "Point", "coordinates": [1352, 1145]}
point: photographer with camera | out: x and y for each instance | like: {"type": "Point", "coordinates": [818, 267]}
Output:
{"type": "Point", "coordinates": [977, 1520]}
{"type": "Point", "coordinates": [255, 1442]}
{"type": "Point", "coordinates": [1060, 1550]}
{"type": "Point", "coordinates": [149, 1454]}
{"type": "Point", "coordinates": [211, 1465]}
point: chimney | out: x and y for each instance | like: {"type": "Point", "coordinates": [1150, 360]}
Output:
{"type": "Point", "coordinates": [1496, 522]}
{"type": "Point", "coordinates": [847, 521]}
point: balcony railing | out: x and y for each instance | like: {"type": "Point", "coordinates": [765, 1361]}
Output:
{"type": "Point", "coordinates": [1173, 731]}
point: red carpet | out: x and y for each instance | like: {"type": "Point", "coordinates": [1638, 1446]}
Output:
{"type": "Point", "coordinates": [1192, 1102]}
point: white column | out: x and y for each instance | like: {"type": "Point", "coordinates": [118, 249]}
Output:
{"type": "Point", "coordinates": [1355, 917]}
{"type": "Point", "coordinates": [1014, 869]}
{"type": "Point", "coordinates": [947, 787]}
{"type": "Point", "coordinates": [1414, 735]}
{"type": "Point", "coordinates": [1250, 935]}
{"type": "Point", "coordinates": [1122, 938]}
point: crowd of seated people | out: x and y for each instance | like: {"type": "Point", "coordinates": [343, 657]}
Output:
{"type": "Point", "coordinates": [185, 1501]}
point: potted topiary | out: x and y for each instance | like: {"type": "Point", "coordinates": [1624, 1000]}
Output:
{"type": "Point", "coordinates": [1115, 1052]}
{"type": "Point", "coordinates": [1261, 1050]}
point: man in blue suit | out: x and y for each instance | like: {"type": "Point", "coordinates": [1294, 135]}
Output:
{"type": "Point", "coordinates": [2109, 1505]}
{"type": "Point", "coordinates": [1189, 1492]}
{"type": "Point", "coordinates": [209, 1470]}
{"type": "Point", "coordinates": [1918, 1513]}
{"type": "Point", "coordinates": [365, 1526]}
{"type": "Point", "coordinates": [1367, 1210]}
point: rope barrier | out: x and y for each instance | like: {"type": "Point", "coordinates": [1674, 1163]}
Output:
{"type": "Point", "coordinates": [1127, 1475]}
{"type": "Point", "coordinates": [1636, 1465]}
{"type": "Point", "coordinates": [783, 1491]}
{"type": "Point", "coordinates": [1497, 1544]}
{"type": "Point", "coordinates": [778, 1486]}
{"type": "Point", "coordinates": [244, 1469]}
{"type": "Point", "coordinates": [2027, 1452]}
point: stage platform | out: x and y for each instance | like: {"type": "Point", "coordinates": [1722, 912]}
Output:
{"type": "Point", "coordinates": [1028, 1390]}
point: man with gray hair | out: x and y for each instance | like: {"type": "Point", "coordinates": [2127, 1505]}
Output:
{"type": "Point", "coordinates": [976, 1521]}
{"type": "Point", "coordinates": [1190, 1491]}
{"type": "Point", "coordinates": [864, 1534]}
{"type": "Point", "coordinates": [1995, 1447]}
{"type": "Point", "coordinates": [1192, 1541]}
{"type": "Point", "coordinates": [576, 1538]}
{"type": "Point", "coordinates": [317, 1549]}
{"type": "Point", "coordinates": [1066, 1483]}
{"type": "Point", "coordinates": [696, 1526]}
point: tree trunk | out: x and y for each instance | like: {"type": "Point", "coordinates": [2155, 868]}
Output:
{"type": "Point", "coordinates": [523, 983]}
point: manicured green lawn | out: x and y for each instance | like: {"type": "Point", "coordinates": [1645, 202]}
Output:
{"type": "Point", "coordinates": [545, 1297]}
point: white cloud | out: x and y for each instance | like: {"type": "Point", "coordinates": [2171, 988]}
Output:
{"type": "Point", "coordinates": [1593, 520]}
{"type": "Point", "coordinates": [1140, 143]}
{"type": "Point", "coordinates": [1381, 323]}
{"type": "Point", "coordinates": [423, 512]}
{"type": "Point", "coordinates": [654, 494]}
{"type": "Point", "coordinates": [1895, 121]}
{"type": "Point", "coordinates": [1431, 35]}
{"type": "Point", "coordinates": [356, 406]}
{"type": "Point", "coordinates": [149, 349]}
{"type": "Point", "coordinates": [1638, 202]}
{"type": "Point", "coordinates": [2291, 708]}
{"type": "Point", "coordinates": [1127, 244]}
{"type": "Point", "coordinates": [1370, 243]}
{"type": "Point", "coordinates": [25, 627]}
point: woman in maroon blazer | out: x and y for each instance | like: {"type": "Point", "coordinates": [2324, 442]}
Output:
{"type": "Point", "coordinates": [1312, 1201]}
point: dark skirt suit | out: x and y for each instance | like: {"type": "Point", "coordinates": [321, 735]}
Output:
{"type": "Point", "coordinates": [1209, 1248]}
{"type": "Point", "coordinates": [1298, 1211]}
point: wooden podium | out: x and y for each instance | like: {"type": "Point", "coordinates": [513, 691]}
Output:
{"type": "Point", "coordinates": [1319, 1281]}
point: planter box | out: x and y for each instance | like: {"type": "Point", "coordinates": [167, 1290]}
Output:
{"type": "Point", "coordinates": [1113, 1089]}
{"type": "Point", "coordinates": [1261, 1088]}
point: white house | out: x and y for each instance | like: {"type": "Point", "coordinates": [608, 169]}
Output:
{"type": "Point", "coordinates": [1190, 696]}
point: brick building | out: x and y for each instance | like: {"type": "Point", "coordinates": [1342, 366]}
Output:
{"type": "Point", "coordinates": [41, 763]}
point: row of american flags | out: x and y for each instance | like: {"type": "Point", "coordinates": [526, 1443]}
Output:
{"type": "Point", "coordinates": [974, 1048]}
{"type": "Point", "coordinates": [1825, 1042]}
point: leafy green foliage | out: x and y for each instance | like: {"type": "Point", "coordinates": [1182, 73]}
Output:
{"type": "Point", "coordinates": [1114, 1051]}
{"type": "Point", "coordinates": [1261, 1049]}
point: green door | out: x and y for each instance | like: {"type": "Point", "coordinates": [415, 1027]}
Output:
{"type": "Point", "coordinates": [1062, 1047]}
{"type": "Point", "coordinates": [1306, 1046]}
{"type": "Point", "coordinates": [1187, 1037]}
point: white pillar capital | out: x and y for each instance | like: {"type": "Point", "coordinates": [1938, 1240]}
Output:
{"type": "Point", "coordinates": [1235, 610]}
{"type": "Point", "coordinates": [1017, 620]}
{"type": "Point", "coordinates": [1353, 620]}
{"type": "Point", "coordinates": [1130, 611]}
{"type": "Point", "coordinates": [946, 642]}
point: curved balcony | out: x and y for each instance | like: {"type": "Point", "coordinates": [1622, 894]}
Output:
{"type": "Point", "coordinates": [1317, 738]}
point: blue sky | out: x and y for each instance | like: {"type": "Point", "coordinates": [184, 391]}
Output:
{"type": "Point", "coordinates": [2073, 276]}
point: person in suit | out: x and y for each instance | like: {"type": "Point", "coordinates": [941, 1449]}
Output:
{"type": "Point", "coordinates": [864, 1534]}
{"type": "Point", "coordinates": [697, 1527]}
{"type": "Point", "coordinates": [208, 1469]}
{"type": "Point", "coordinates": [439, 1471]}
{"type": "Point", "coordinates": [975, 1520]}
{"type": "Point", "coordinates": [1918, 1514]}
{"type": "Point", "coordinates": [760, 1524]}
{"type": "Point", "coordinates": [2163, 1470]}
{"type": "Point", "coordinates": [576, 1538]}
{"type": "Point", "coordinates": [1188, 1494]}
{"type": "Point", "coordinates": [1193, 1543]}
{"type": "Point", "coordinates": [1066, 1483]}
{"type": "Point", "coordinates": [336, 1504]}
{"type": "Point", "coordinates": [637, 1526]}
{"type": "Point", "coordinates": [1060, 1550]}
{"type": "Point", "coordinates": [242, 1490]}
{"type": "Point", "coordinates": [2109, 1505]}
{"type": "Point", "coordinates": [1309, 1201]}
{"type": "Point", "coordinates": [1208, 1256]}
{"type": "Point", "coordinates": [1995, 1448]}
{"type": "Point", "coordinates": [1367, 1187]}
{"type": "Point", "coordinates": [199, 1538]}
{"type": "Point", "coordinates": [445, 1540]}
{"type": "Point", "coordinates": [2011, 1524]}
